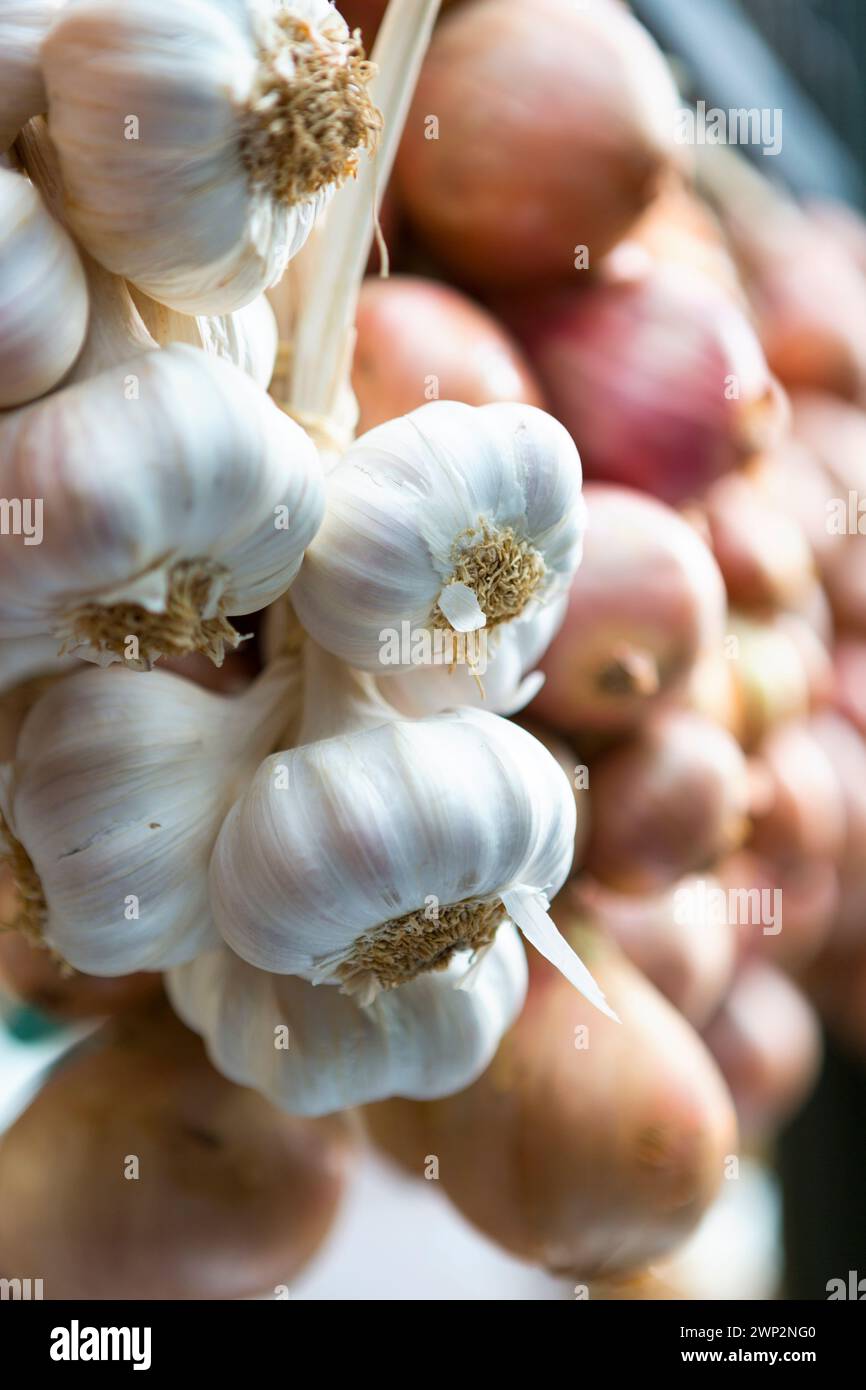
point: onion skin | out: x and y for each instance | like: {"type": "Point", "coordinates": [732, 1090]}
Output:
{"type": "Point", "coordinates": [411, 330]}
{"type": "Point", "coordinates": [804, 816]}
{"type": "Point", "coordinates": [572, 111]}
{"type": "Point", "coordinates": [639, 369]}
{"type": "Point", "coordinates": [669, 802]}
{"type": "Point", "coordinates": [767, 1042]}
{"type": "Point", "coordinates": [690, 961]}
{"type": "Point", "coordinates": [764, 555]}
{"type": "Point", "coordinates": [781, 670]}
{"type": "Point", "coordinates": [846, 750]}
{"type": "Point", "coordinates": [647, 601]}
{"type": "Point", "coordinates": [591, 1161]}
{"type": "Point", "coordinates": [809, 902]}
{"type": "Point", "coordinates": [232, 1199]}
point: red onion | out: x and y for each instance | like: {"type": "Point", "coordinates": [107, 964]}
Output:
{"type": "Point", "coordinates": [764, 555]}
{"type": "Point", "coordinates": [646, 602]}
{"type": "Point", "coordinates": [419, 340]}
{"type": "Point", "coordinates": [555, 126]}
{"type": "Point", "coordinates": [660, 378]}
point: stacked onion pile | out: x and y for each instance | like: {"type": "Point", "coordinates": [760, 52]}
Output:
{"type": "Point", "coordinates": [321, 731]}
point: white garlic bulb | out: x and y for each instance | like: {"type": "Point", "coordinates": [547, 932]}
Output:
{"type": "Point", "coordinates": [448, 520]}
{"type": "Point", "coordinates": [23, 25]}
{"type": "Point", "coordinates": [368, 857]}
{"type": "Point", "coordinates": [200, 138]}
{"type": "Point", "coordinates": [504, 684]}
{"type": "Point", "coordinates": [168, 494]}
{"type": "Point", "coordinates": [247, 338]}
{"type": "Point", "coordinates": [312, 1051]}
{"type": "Point", "coordinates": [43, 295]}
{"type": "Point", "coordinates": [113, 803]}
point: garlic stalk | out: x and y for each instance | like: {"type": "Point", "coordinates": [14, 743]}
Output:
{"type": "Point", "coordinates": [112, 805]}
{"type": "Point", "coordinates": [330, 272]}
{"type": "Point", "coordinates": [43, 295]}
{"type": "Point", "coordinates": [380, 848]}
{"type": "Point", "coordinates": [314, 1051]}
{"type": "Point", "coordinates": [23, 25]}
{"type": "Point", "coordinates": [449, 520]}
{"type": "Point", "coordinates": [199, 139]}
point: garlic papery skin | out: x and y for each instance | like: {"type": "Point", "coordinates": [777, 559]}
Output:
{"type": "Point", "coordinates": [199, 139]}
{"type": "Point", "coordinates": [427, 1039]}
{"type": "Point", "coordinates": [450, 519]}
{"type": "Point", "coordinates": [367, 858]}
{"type": "Point", "coordinates": [23, 25]}
{"type": "Point", "coordinates": [43, 295]}
{"type": "Point", "coordinates": [504, 685]}
{"type": "Point", "coordinates": [173, 494]}
{"type": "Point", "coordinates": [112, 807]}
{"type": "Point", "coordinates": [247, 338]}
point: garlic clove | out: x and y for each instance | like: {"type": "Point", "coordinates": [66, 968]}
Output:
{"type": "Point", "coordinates": [450, 497]}
{"type": "Point", "coordinates": [199, 139]}
{"type": "Point", "coordinates": [39, 270]}
{"type": "Point", "coordinates": [23, 25]}
{"type": "Point", "coordinates": [313, 1051]}
{"type": "Point", "coordinates": [219, 495]}
{"type": "Point", "coordinates": [114, 801]}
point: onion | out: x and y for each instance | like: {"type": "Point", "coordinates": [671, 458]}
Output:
{"type": "Point", "coordinates": [836, 433]}
{"type": "Point", "coordinates": [781, 669]}
{"type": "Point", "coordinates": [671, 801]}
{"type": "Point", "coordinates": [646, 602]}
{"type": "Point", "coordinates": [659, 377]}
{"type": "Point", "coordinates": [231, 1200]}
{"type": "Point", "coordinates": [846, 750]}
{"type": "Point", "coordinates": [836, 983]}
{"type": "Point", "coordinates": [679, 229]}
{"type": "Point", "coordinates": [764, 554]}
{"type": "Point", "coordinates": [419, 340]}
{"type": "Point", "coordinates": [588, 1159]}
{"type": "Point", "coordinates": [556, 125]}
{"type": "Point", "coordinates": [767, 1042]}
{"type": "Point", "coordinates": [811, 323]}
{"type": "Point", "coordinates": [806, 905]}
{"type": "Point", "coordinates": [688, 955]}
{"type": "Point", "coordinates": [849, 671]}
{"type": "Point", "coordinates": [804, 816]}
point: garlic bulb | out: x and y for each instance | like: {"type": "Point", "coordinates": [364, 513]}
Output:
{"type": "Point", "coordinates": [247, 338]}
{"type": "Point", "coordinates": [113, 803]}
{"type": "Point", "coordinates": [426, 1039]}
{"type": "Point", "coordinates": [507, 683]}
{"type": "Point", "coordinates": [445, 521]}
{"type": "Point", "coordinates": [200, 138]}
{"type": "Point", "coordinates": [380, 848]}
{"type": "Point", "coordinates": [218, 495]}
{"type": "Point", "coordinates": [43, 295]}
{"type": "Point", "coordinates": [23, 24]}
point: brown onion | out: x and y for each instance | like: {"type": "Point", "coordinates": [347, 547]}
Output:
{"type": "Point", "coordinates": [646, 602]}
{"type": "Point", "coordinates": [231, 1197]}
{"type": "Point", "coordinates": [419, 340]}
{"type": "Point", "coordinates": [659, 378]}
{"type": "Point", "coordinates": [669, 802]}
{"type": "Point", "coordinates": [688, 955]}
{"type": "Point", "coordinates": [556, 125]}
{"type": "Point", "coordinates": [588, 1146]}
{"type": "Point", "coordinates": [767, 1043]}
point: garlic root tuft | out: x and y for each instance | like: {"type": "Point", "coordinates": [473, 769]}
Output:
{"type": "Point", "coordinates": [309, 114]}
